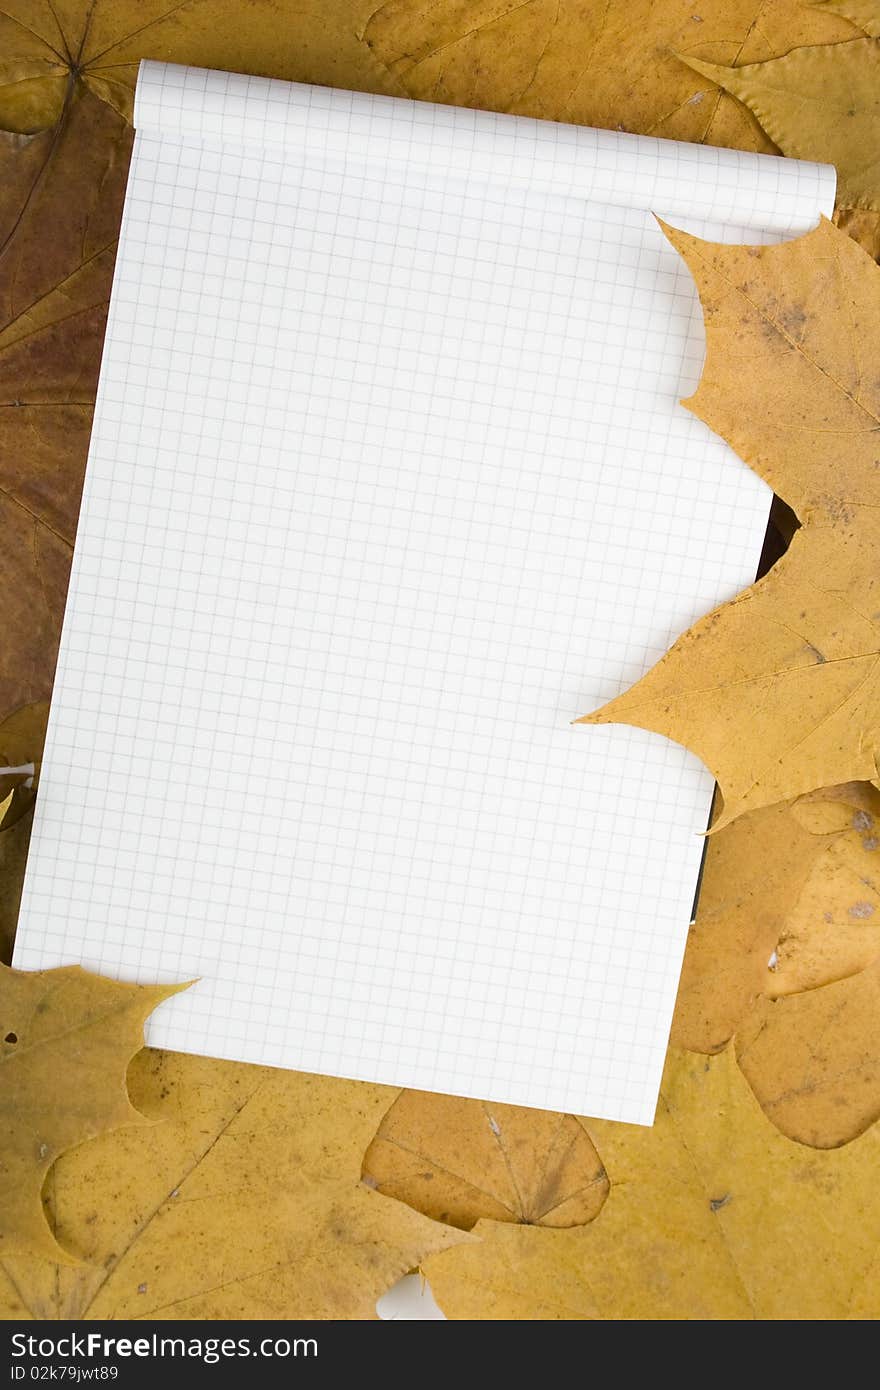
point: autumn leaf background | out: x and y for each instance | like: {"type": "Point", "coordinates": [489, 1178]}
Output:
{"type": "Point", "coordinates": [283, 1195]}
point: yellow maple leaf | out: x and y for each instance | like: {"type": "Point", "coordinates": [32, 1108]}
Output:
{"type": "Point", "coordinates": [778, 691]}
{"type": "Point", "coordinates": [66, 1038]}
{"type": "Point", "coordinates": [596, 62]}
{"type": "Point", "coordinates": [789, 901]}
{"type": "Point", "coordinates": [831, 930]}
{"type": "Point", "coordinates": [813, 1059]}
{"type": "Point", "coordinates": [819, 103]}
{"type": "Point", "coordinates": [783, 957]}
{"type": "Point", "coordinates": [243, 1200]}
{"type": "Point", "coordinates": [712, 1214]}
{"type": "Point", "coordinates": [460, 1160]}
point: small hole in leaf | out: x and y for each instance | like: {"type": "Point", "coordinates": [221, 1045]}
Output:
{"type": "Point", "coordinates": [11, 1038]}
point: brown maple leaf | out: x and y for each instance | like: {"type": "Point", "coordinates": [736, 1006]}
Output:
{"type": "Point", "coordinates": [59, 217]}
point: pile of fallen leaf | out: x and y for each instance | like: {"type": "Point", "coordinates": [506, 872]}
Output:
{"type": "Point", "coordinates": [135, 1183]}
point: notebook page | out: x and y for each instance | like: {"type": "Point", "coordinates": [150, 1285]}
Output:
{"type": "Point", "coordinates": [388, 483]}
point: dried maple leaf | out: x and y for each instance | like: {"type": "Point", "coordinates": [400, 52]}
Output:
{"type": "Point", "coordinates": [244, 1200]}
{"type": "Point", "coordinates": [813, 1059]}
{"type": "Point", "coordinates": [754, 872]}
{"type": "Point", "coordinates": [789, 901]}
{"type": "Point", "coordinates": [777, 691]}
{"type": "Point", "coordinates": [713, 1214]}
{"type": "Point", "coordinates": [597, 62]}
{"type": "Point", "coordinates": [97, 45]}
{"type": "Point", "coordinates": [818, 103]}
{"type": "Point", "coordinates": [459, 1160]}
{"type": "Point", "coordinates": [785, 957]}
{"type": "Point", "coordinates": [66, 1038]}
{"type": "Point", "coordinates": [832, 930]}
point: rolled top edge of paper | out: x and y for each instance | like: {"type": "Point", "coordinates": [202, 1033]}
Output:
{"type": "Point", "coordinates": [675, 180]}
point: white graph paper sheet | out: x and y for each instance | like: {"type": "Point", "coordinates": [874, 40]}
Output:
{"type": "Point", "coordinates": [388, 483]}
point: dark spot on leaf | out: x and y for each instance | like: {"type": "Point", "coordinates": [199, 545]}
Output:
{"type": "Point", "coordinates": [11, 1038]}
{"type": "Point", "coordinates": [861, 911]}
{"type": "Point", "coordinates": [793, 320]}
{"type": "Point", "coordinates": [716, 1203]}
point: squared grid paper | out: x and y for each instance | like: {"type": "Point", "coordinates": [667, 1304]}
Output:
{"type": "Point", "coordinates": [388, 483]}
